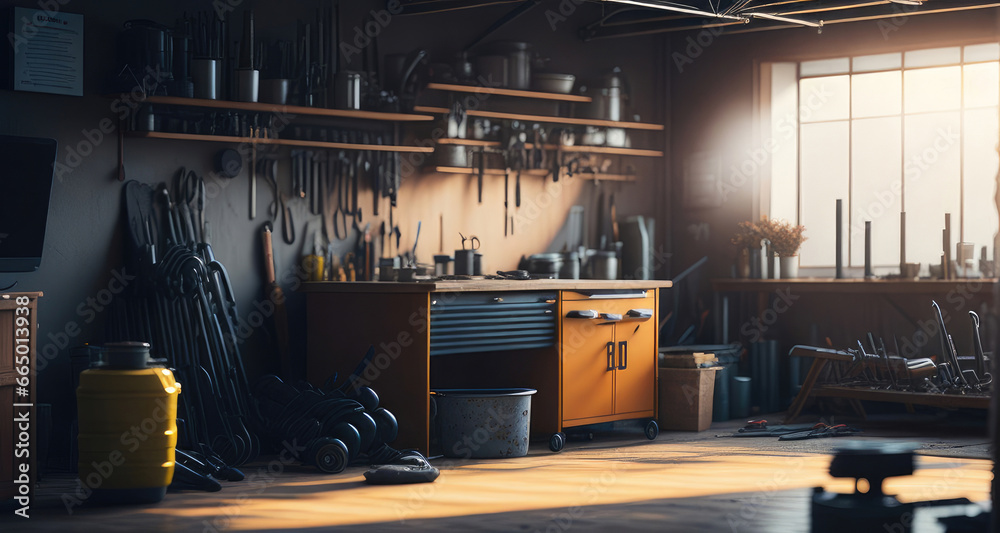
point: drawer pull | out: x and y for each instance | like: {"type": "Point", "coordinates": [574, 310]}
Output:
{"type": "Point", "coordinates": [639, 313]}
{"type": "Point", "coordinates": [583, 313]}
{"type": "Point", "coordinates": [611, 317]}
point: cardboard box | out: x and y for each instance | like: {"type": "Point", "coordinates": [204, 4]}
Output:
{"type": "Point", "coordinates": [685, 398]}
{"type": "Point", "coordinates": [687, 360]}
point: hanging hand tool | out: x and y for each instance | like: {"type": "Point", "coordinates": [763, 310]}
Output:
{"type": "Point", "coordinates": [397, 176]}
{"type": "Point", "coordinates": [275, 294]}
{"type": "Point", "coordinates": [481, 171]}
{"type": "Point", "coordinates": [287, 224]}
{"type": "Point", "coordinates": [340, 214]}
{"type": "Point", "coordinates": [355, 178]}
{"type": "Point", "coordinates": [381, 240]}
{"type": "Point", "coordinates": [392, 230]}
{"type": "Point", "coordinates": [377, 180]}
{"type": "Point", "coordinates": [269, 167]}
{"type": "Point", "coordinates": [317, 169]}
{"type": "Point", "coordinates": [614, 219]}
{"type": "Point", "coordinates": [557, 160]}
{"type": "Point", "coordinates": [253, 173]}
{"type": "Point", "coordinates": [294, 182]}
{"type": "Point", "coordinates": [303, 172]}
{"type": "Point", "coordinates": [506, 193]}
{"type": "Point", "coordinates": [412, 261]}
{"type": "Point", "coordinates": [325, 192]}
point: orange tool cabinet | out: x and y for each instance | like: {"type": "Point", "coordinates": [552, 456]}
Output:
{"type": "Point", "coordinates": [591, 371]}
{"type": "Point", "coordinates": [608, 353]}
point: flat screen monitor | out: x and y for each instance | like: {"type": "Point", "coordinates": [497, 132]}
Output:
{"type": "Point", "coordinates": [26, 170]}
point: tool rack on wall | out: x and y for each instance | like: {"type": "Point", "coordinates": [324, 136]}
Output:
{"type": "Point", "coordinates": [293, 111]}
{"type": "Point", "coordinates": [455, 90]}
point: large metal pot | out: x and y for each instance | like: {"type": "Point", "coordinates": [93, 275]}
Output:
{"type": "Point", "coordinates": [492, 70]}
{"type": "Point", "coordinates": [608, 94]}
{"type": "Point", "coordinates": [545, 265]}
{"type": "Point", "coordinates": [144, 44]}
{"type": "Point", "coordinates": [518, 56]}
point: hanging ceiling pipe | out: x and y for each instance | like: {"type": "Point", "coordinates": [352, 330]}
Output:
{"type": "Point", "coordinates": [779, 18]}
{"type": "Point", "coordinates": [824, 9]}
{"type": "Point", "coordinates": [593, 31]}
{"type": "Point", "coordinates": [677, 8]}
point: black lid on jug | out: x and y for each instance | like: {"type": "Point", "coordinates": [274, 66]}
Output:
{"type": "Point", "coordinates": [127, 355]}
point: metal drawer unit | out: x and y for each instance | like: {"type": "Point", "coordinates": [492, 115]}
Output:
{"type": "Point", "coordinates": [486, 322]}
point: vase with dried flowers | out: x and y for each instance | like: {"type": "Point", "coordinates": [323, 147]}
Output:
{"type": "Point", "coordinates": [785, 240]}
{"type": "Point", "coordinates": [747, 242]}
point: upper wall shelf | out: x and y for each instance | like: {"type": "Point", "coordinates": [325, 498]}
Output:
{"type": "Point", "coordinates": [280, 142]}
{"type": "Point", "coordinates": [289, 109]}
{"type": "Point", "coordinates": [478, 89]}
{"type": "Point", "coordinates": [611, 150]}
{"type": "Point", "coordinates": [547, 119]}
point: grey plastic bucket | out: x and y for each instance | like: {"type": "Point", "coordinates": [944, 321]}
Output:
{"type": "Point", "coordinates": [483, 423]}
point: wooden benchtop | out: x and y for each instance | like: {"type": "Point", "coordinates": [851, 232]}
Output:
{"type": "Point", "coordinates": [480, 285]}
{"type": "Point", "coordinates": [855, 285]}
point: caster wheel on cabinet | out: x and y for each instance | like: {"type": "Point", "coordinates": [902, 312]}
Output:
{"type": "Point", "coordinates": [557, 441]}
{"type": "Point", "coordinates": [652, 429]}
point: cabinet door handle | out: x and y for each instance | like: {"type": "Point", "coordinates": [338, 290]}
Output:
{"type": "Point", "coordinates": [611, 355]}
{"type": "Point", "coordinates": [622, 355]}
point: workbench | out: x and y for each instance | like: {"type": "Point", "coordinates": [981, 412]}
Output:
{"type": "Point", "coordinates": [812, 389]}
{"type": "Point", "coordinates": [766, 295]}
{"type": "Point", "coordinates": [775, 296]}
{"type": "Point", "coordinates": [419, 346]}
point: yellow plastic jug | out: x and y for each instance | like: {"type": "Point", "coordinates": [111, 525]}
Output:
{"type": "Point", "coordinates": [128, 427]}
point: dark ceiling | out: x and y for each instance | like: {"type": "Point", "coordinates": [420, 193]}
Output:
{"type": "Point", "coordinates": [622, 18]}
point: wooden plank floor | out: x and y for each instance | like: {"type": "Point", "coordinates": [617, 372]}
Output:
{"type": "Point", "coordinates": [680, 482]}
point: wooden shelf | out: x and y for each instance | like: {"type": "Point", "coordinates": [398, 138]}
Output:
{"type": "Point", "coordinates": [508, 92]}
{"type": "Point", "coordinates": [535, 172]}
{"type": "Point", "coordinates": [280, 142]}
{"type": "Point", "coordinates": [566, 149]}
{"type": "Point", "coordinates": [492, 171]}
{"type": "Point", "coordinates": [547, 119]}
{"type": "Point", "coordinates": [604, 177]}
{"type": "Point", "coordinates": [467, 142]}
{"type": "Point", "coordinates": [288, 109]}
{"type": "Point", "coordinates": [607, 150]}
